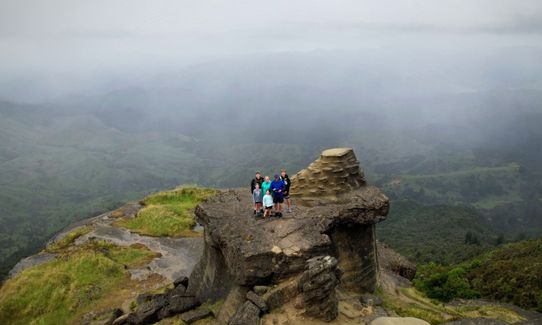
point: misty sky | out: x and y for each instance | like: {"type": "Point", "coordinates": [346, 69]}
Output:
{"type": "Point", "coordinates": [59, 43]}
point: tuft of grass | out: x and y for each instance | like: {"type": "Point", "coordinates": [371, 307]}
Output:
{"type": "Point", "coordinates": [136, 255]}
{"type": "Point", "coordinates": [494, 312]}
{"type": "Point", "coordinates": [412, 303]}
{"type": "Point", "coordinates": [117, 213]}
{"type": "Point", "coordinates": [409, 302]}
{"type": "Point", "coordinates": [213, 306]}
{"type": "Point", "coordinates": [68, 239]}
{"type": "Point", "coordinates": [414, 310]}
{"type": "Point", "coordinates": [61, 291]}
{"type": "Point", "coordinates": [168, 213]}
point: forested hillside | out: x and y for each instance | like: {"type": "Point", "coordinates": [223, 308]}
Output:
{"type": "Point", "coordinates": [510, 274]}
{"type": "Point", "coordinates": [437, 233]}
{"type": "Point", "coordinates": [216, 123]}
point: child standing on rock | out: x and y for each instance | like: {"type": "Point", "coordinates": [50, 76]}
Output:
{"type": "Point", "coordinates": [257, 198]}
{"type": "Point", "coordinates": [268, 203]}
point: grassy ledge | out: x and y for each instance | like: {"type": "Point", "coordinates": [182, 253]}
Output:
{"type": "Point", "coordinates": [409, 302]}
{"type": "Point", "coordinates": [92, 276]}
{"type": "Point", "coordinates": [68, 239]}
{"type": "Point", "coordinates": [168, 213]}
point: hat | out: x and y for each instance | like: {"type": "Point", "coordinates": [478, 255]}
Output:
{"type": "Point", "coordinates": [276, 175]}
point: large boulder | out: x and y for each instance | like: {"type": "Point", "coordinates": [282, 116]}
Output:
{"type": "Point", "coordinates": [392, 262]}
{"type": "Point", "coordinates": [247, 314]}
{"type": "Point", "coordinates": [154, 307]}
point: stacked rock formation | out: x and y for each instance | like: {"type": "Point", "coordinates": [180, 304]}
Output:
{"type": "Point", "coordinates": [318, 285]}
{"type": "Point", "coordinates": [297, 257]}
{"type": "Point", "coordinates": [335, 173]}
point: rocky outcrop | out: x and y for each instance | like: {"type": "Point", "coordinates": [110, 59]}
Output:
{"type": "Point", "coordinates": [247, 314]}
{"type": "Point", "coordinates": [154, 307]}
{"type": "Point", "coordinates": [392, 262]}
{"type": "Point", "coordinates": [196, 315]}
{"type": "Point", "coordinates": [338, 222]}
{"type": "Point", "coordinates": [317, 285]}
{"type": "Point", "coordinates": [335, 173]}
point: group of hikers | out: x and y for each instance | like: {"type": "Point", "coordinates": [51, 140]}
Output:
{"type": "Point", "coordinates": [270, 195]}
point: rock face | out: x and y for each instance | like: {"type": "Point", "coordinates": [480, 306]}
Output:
{"type": "Point", "coordinates": [335, 173]}
{"type": "Point", "coordinates": [153, 307]}
{"type": "Point", "coordinates": [391, 261]}
{"type": "Point", "coordinates": [335, 217]}
{"type": "Point", "coordinates": [318, 285]}
{"type": "Point", "coordinates": [248, 314]}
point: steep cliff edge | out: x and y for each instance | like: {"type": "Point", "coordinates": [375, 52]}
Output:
{"type": "Point", "coordinates": [334, 219]}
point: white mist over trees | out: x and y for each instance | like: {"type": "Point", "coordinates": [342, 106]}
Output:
{"type": "Point", "coordinates": [101, 102]}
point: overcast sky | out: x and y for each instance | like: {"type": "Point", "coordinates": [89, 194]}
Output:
{"type": "Point", "coordinates": [67, 39]}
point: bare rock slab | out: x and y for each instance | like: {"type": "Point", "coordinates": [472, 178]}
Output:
{"type": "Point", "coordinates": [247, 314]}
{"type": "Point", "coordinates": [195, 315]}
{"type": "Point", "coordinates": [257, 300]}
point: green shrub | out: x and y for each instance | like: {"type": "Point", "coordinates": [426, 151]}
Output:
{"type": "Point", "coordinates": [443, 284]}
{"type": "Point", "coordinates": [510, 274]}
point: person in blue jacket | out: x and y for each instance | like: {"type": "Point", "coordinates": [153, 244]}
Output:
{"type": "Point", "coordinates": [277, 188]}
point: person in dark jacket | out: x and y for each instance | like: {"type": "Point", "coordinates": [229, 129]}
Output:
{"type": "Point", "coordinates": [256, 180]}
{"type": "Point", "coordinates": [286, 193]}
